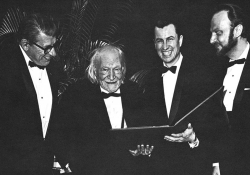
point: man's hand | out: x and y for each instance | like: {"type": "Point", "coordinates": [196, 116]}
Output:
{"type": "Point", "coordinates": [187, 136]}
{"type": "Point", "coordinates": [141, 149]}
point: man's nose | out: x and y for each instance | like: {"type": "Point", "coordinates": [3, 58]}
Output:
{"type": "Point", "coordinates": [52, 52]}
{"type": "Point", "coordinates": [212, 39]}
{"type": "Point", "coordinates": [111, 75]}
{"type": "Point", "coordinates": [165, 45]}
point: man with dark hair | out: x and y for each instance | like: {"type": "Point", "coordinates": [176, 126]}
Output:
{"type": "Point", "coordinates": [29, 86]}
{"type": "Point", "coordinates": [229, 29]}
{"type": "Point", "coordinates": [171, 91]}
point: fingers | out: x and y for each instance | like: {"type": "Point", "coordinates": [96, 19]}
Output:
{"type": "Point", "coordinates": [189, 126]}
{"type": "Point", "coordinates": [178, 135]}
{"type": "Point", "coordinates": [143, 150]}
{"type": "Point", "coordinates": [173, 139]}
{"type": "Point", "coordinates": [134, 152]}
{"type": "Point", "coordinates": [147, 150]}
{"type": "Point", "coordinates": [150, 151]}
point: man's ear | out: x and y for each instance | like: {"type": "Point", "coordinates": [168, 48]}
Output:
{"type": "Point", "coordinates": [238, 30]}
{"type": "Point", "coordinates": [95, 71]}
{"type": "Point", "coordinates": [25, 44]}
{"type": "Point", "coordinates": [180, 40]}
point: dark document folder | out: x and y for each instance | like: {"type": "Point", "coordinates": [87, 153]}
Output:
{"type": "Point", "coordinates": [151, 134]}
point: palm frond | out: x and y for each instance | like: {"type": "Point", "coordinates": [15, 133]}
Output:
{"type": "Point", "coordinates": [82, 33]}
{"type": "Point", "coordinates": [64, 85]}
{"type": "Point", "coordinates": [10, 23]}
{"type": "Point", "coordinates": [119, 13]}
{"type": "Point", "coordinates": [139, 77]}
{"type": "Point", "coordinates": [77, 33]}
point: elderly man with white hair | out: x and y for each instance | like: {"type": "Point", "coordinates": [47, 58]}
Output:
{"type": "Point", "coordinates": [95, 105]}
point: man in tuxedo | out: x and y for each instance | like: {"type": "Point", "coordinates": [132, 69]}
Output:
{"type": "Point", "coordinates": [29, 86]}
{"type": "Point", "coordinates": [95, 105]}
{"type": "Point", "coordinates": [171, 91]}
{"type": "Point", "coordinates": [229, 36]}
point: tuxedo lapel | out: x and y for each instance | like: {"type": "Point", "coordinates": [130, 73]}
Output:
{"type": "Point", "coordinates": [127, 113]}
{"type": "Point", "coordinates": [53, 83]}
{"type": "Point", "coordinates": [245, 78]}
{"type": "Point", "coordinates": [125, 110]}
{"type": "Point", "coordinates": [26, 77]}
{"type": "Point", "coordinates": [31, 95]}
{"type": "Point", "coordinates": [159, 93]}
{"type": "Point", "coordinates": [101, 107]}
{"type": "Point", "coordinates": [177, 93]}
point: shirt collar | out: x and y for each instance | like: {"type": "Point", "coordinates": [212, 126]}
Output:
{"type": "Point", "coordinates": [177, 64]}
{"type": "Point", "coordinates": [244, 53]}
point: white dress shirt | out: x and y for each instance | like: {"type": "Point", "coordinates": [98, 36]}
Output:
{"type": "Point", "coordinates": [169, 82]}
{"type": "Point", "coordinates": [231, 82]}
{"type": "Point", "coordinates": [43, 91]}
{"type": "Point", "coordinates": [232, 79]}
{"type": "Point", "coordinates": [115, 110]}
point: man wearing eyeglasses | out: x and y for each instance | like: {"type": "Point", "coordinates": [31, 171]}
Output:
{"type": "Point", "coordinates": [28, 98]}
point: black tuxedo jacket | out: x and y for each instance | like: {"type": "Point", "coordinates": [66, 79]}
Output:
{"type": "Point", "coordinates": [237, 154]}
{"type": "Point", "coordinates": [92, 150]}
{"type": "Point", "coordinates": [23, 148]}
{"type": "Point", "coordinates": [194, 84]}
{"type": "Point", "coordinates": [239, 117]}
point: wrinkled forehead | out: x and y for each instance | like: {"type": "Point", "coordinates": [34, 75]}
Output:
{"type": "Point", "coordinates": [220, 21]}
{"type": "Point", "coordinates": [44, 39]}
{"type": "Point", "coordinates": [109, 57]}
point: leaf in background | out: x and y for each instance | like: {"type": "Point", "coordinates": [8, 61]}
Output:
{"type": "Point", "coordinates": [10, 23]}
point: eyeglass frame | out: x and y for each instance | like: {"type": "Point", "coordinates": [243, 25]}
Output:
{"type": "Point", "coordinates": [47, 49]}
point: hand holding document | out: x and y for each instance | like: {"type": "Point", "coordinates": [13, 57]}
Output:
{"type": "Point", "coordinates": [149, 135]}
{"type": "Point", "coordinates": [142, 150]}
{"type": "Point", "coordinates": [187, 136]}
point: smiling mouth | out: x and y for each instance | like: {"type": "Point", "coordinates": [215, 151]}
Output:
{"type": "Point", "coordinates": [111, 82]}
{"type": "Point", "coordinates": [47, 59]}
{"type": "Point", "coordinates": [167, 53]}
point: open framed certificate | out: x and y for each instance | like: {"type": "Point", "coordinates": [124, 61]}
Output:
{"type": "Point", "coordinates": [151, 134]}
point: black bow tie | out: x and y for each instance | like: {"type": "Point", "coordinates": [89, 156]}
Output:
{"type": "Point", "coordinates": [239, 61]}
{"type": "Point", "coordinates": [165, 69]}
{"type": "Point", "coordinates": [107, 95]}
{"type": "Point", "coordinates": [32, 64]}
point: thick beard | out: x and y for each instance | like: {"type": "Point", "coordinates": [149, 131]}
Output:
{"type": "Point", "coordinates": [231, 43]}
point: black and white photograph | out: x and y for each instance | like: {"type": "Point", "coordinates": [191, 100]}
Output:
{"type": "Point", "coordinates": [124, 87]}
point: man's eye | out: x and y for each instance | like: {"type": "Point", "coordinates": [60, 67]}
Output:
{"type": "Point", "coordinates": [104, 69]}
{"type": "Point", "coordinates": [170, 39]}
{"type": "Point", "coordinates": [218, 33]}
{"type": "Point", "coordinates": [158, 41]}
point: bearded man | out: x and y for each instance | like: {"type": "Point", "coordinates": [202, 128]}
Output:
{"type": "Point", "coordinates": [229, 36]}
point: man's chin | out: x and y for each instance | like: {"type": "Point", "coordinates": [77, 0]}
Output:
{"type": "Point", "coordinates": [111, 87]}
{"type": "Point", "coordinates": [221, 52]}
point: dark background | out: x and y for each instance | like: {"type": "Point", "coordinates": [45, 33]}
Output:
{"type": "Point", "coordinates": [136, 30]}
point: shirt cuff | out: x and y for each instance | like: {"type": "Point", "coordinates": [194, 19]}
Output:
{"type": "Point", "coordinates": [195, 143]}
{"type": "Point", "coordinates": [216, 164]}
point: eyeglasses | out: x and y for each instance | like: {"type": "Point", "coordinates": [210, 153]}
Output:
{"type": "Point", "coordinates": [47, 49]}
